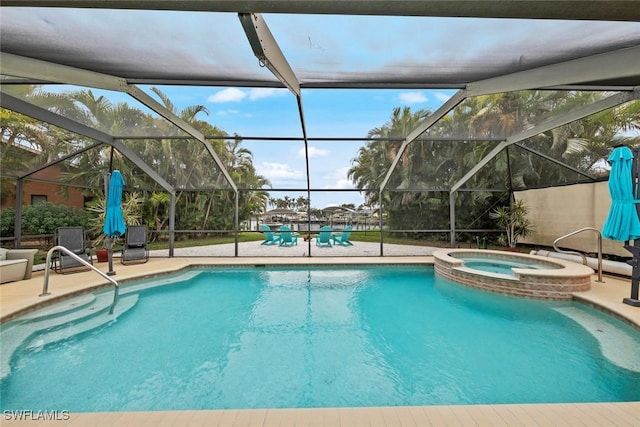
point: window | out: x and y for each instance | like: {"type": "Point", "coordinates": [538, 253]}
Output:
{"type": "Point", "coordinates": [87, 200]}
{"type": "Point", "coordinates": [38, 198]}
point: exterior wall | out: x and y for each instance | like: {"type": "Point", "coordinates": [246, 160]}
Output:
{"type": "Point", "coordinates": [73, 197]}
{"type": "Point", "coordinates": [557, 211]}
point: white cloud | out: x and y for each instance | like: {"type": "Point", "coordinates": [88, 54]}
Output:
{"type": "Point", "coordinates": [339, 176]}
{"type": "Point", "coordinates": [412, 97]}
{"type": "Point", "coordinates": [227, 112]}
{"type": "Point", "coordinates": [265, 92]}
{"type": "Point", "coordinates": [343, 183]}
{"type": "Point", "coordinates": [231, 94]}
{"type": "Point", "coordinates": [278, 171]}
{"type": "Point", "coordinates": [339, 184]}
{"type": "Point", "coordinates": [314, 152]}
{"type": "Point", "coordinates": [441, 96]}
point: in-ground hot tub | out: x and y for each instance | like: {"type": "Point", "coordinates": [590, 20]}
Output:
{"type": "Point", "coordinates": [512, 273]}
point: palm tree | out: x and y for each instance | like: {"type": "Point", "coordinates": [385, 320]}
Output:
{"type": "Point", "coordinates": [240, 165]}
{"type": "Point", "coordinates": [302, 203]}
{"type": "Point", "coordinates": [374, 159]}
{"type": "Point", "coordinates": [413, 170]}
{"type": "Point", "coordinates": [433, 165]}
{"type": "Point", "coordinates": [173, 160]}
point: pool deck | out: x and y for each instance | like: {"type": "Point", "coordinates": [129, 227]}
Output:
{"type": "Point", "coordinates": [18, 297]}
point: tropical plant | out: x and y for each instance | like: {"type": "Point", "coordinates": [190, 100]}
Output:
{"type": "Point", "coordinates": [131, 210]}
{"type": "Point", "coordinates": [155, 211]}
{"type": "Point", "coordinates": [513, 219]}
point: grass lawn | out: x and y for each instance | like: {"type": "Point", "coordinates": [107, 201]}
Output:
{"type": "Point", "coordinates": [245, 236]}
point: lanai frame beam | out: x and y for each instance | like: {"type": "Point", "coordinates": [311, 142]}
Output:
{"type": "Point", "coordinates": [602, 10]}
{"type": "Point", "coordinates": [19, 66]}
{"type": "Point", "coordinates": [552, 123]}
{"type": "Point", "coordinates": [617, 64]}
{"type": "Point", "coordinates": [22, 107]}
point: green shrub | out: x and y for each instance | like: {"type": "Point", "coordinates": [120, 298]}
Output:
{"type": "Point", "coordinates": [7, 221]}
{"type": "Point", "coordinates": [44, 218]}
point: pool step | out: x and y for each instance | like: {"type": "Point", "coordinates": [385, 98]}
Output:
{"type": "Point", "coordinates": [47, 326]}
{"type": "Point", "coordinates": [616, 344]}
{"type": "Point", "coordinates": [59, 309]}
{"type": "Point", "coordinates": [86, 324]}
{"type": "Point", "coordinates": [70, 312]}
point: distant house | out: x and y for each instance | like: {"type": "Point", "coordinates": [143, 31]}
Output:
{"type": "Point", "coordinates": [34, 191]}
{"type": "Point", "coordinates": [42, 186]}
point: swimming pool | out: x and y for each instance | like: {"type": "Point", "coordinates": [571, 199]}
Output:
{"type": "Point", "coordinates": [324, 337]}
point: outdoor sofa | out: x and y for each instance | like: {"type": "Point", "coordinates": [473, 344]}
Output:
{"type": "Point", "coordinates": [16, 264]}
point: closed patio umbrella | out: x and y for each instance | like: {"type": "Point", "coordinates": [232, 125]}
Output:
{"type": "Point", "coordinates": [114, 225]}
{"type": "Point", "coordinates": [622, 222]}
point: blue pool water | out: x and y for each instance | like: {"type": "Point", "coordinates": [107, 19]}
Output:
{"type": "Point", "coordinates": [503, 266]}
{"type": "Point", "coordinates": [320, 337]}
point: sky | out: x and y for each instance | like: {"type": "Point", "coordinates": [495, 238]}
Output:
{"type": "Point", "coordinates": [329, 113]}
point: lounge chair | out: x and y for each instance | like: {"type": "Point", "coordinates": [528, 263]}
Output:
{"type": "Point", "coordinates": [288, 237]}
{"type": "Point", "coordinates": [135, 249]}
{"type": "Point", "coordinates": [74, 239]}
{"type": "Point", "coordinates": [324, 237]}
{"type": "Point", "coordinates": [270, 237]}
{"type": "Point", "coordinates": [342, 239]}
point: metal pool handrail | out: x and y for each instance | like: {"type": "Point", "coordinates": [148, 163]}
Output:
{"type": "Point", "coordinates": [45, 287]}
{"type": "Point", "coordinates": [584, 257]}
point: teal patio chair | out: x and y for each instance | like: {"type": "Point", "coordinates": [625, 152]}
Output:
{"type": "Point", "coordinates": [324, 237]}
{"type": "Point", "coordinates": [288, 237]}
{"type": "Point", "coordinates": [342, 239]}
{"type": "Point", "coordinates": [270, 238]}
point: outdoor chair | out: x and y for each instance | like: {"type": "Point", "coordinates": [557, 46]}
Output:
{"type": "Point", "coordinates": [74, 239]}
{"type": "Point", "coordinates": [16, 264]}
{"type": "Point", "coordinates": [270, 237]}
{"type": "Point", "coordinates": [135, 249]}
{"type": "Point", "coordinates": [324, 237]}
{"type": "Point", "coordinates": [342, 239]}
{"type": "Point", "coordinates": [288, 237]}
